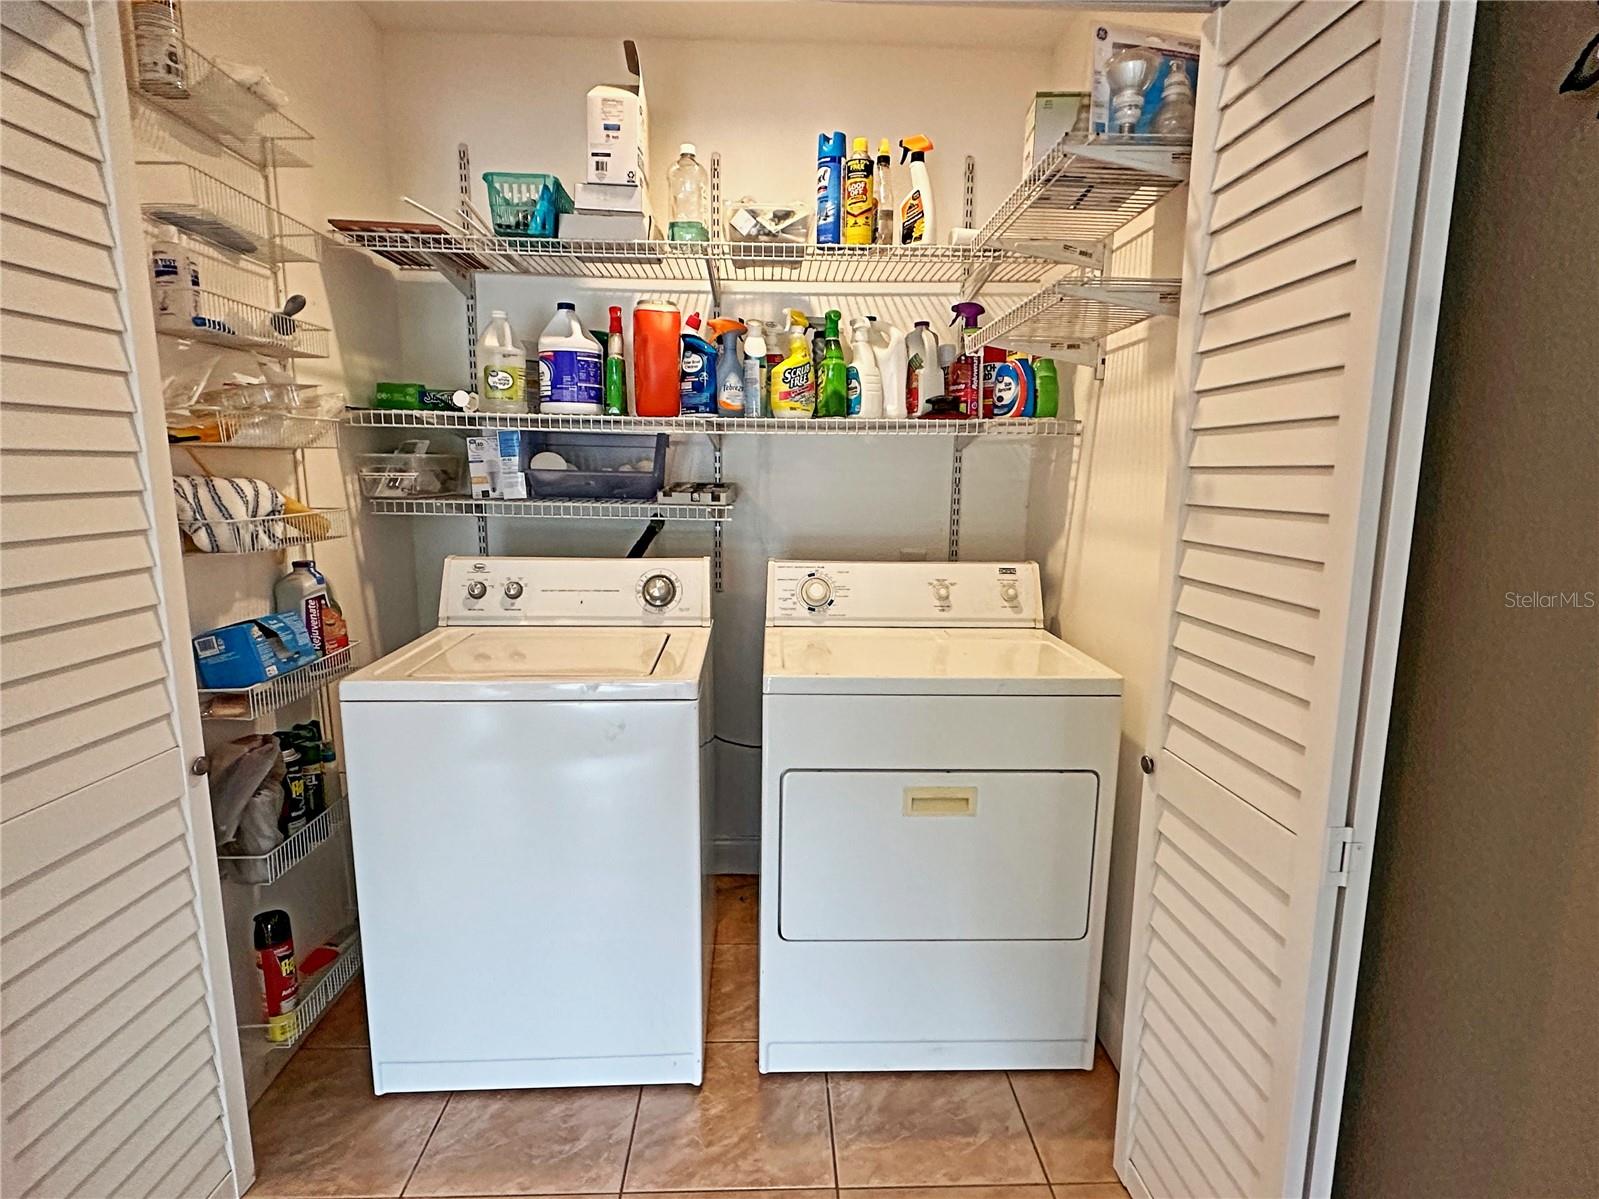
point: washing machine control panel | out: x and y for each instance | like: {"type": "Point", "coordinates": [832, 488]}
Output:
{"type": "Point", "coordinates": [976, 594]}
{"type": "Point", "coordinates": [575, 591]}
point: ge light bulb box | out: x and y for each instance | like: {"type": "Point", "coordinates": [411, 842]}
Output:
{"type": "Point", "coordinates": [1174, 51]}
{"type": "Point", "coordinates": [619, 130]}
{"type": "Point", "coordinates": [497, 465]}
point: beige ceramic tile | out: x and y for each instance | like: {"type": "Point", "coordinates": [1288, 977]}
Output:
{"type": "Point", "coordinates": [735, 978]}
{"type": "Point", "coordinates": [319, 1130]}
{"type": "Point", "coordinates": [740, 1130]}
{"type": "Point", "coordinates": [737, 905]}
{"type": "Point", "coordinates": [818, 1193]}
{"type": "Point", "coordinates": [1039, 1191]}
{"type": "Point", "coordinates": [1072, 1116]}
{"type": "Point", "coordinates": [343, 1026]}
{"type": "Point", "coordinates": [1092, 1190]}
{"type": "Point", "coordinates": [929, 1129]}
{"type": "Point", "coordinates": [557, 1140]}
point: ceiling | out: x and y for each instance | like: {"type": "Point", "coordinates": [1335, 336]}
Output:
{"type": "Point", "coordinates": [852, 22]}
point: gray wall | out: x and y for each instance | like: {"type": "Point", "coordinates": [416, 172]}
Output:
{"type": "Point", "coordinates": [1475, 1065]}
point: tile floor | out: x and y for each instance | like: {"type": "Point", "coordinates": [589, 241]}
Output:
{"type": "Point", "coordinates": [320, 1132]}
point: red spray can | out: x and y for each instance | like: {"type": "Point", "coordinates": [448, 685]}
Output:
{"type": "Point", "coordinates": [280, 979]}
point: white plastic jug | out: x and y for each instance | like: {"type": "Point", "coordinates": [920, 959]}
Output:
{"type": "Point", "coordinates": [503, 364]}
{"type": "Point", "coordinates": [571, 367]}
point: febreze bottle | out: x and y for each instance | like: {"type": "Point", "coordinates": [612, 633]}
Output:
{"type": "Point", "coordinates": [918, 225]}
{"type": "Point", "coordinates": [793, 389]}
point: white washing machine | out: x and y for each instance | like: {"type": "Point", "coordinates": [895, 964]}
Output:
{"type": "Point", "coordinates": [938, 779]}
{"type": "Point", "coordinates": [529, 809]}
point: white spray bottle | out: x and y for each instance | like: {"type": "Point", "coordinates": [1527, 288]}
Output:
{"type": "Point", "coordinates": [865, 380]}
{"type": "Point", "coordinates": [888, 345]}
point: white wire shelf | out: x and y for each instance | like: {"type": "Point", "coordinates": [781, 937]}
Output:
{"type": "Point", "coordinates": [775, 262]}
{"type": "Point", "coordinates": [258, 428]}
{"type": "Point", "coordinates": [262, 870]}
{"type": "Point", "coordinates": [1072, 313]}
{"type": "Point", "coordinates": [224, 216]}
{"type": "Point", "coordinates": [251, 703]}
{"type": "Point", "coordinates": [237, 325]}
{"type": "Point", "coordinates": [263, 534]}
{"type": "Point", "coordinates": [318, 994]}
{"type": "Point", "coordinates": [552, 509]}
{"type": "Point", "coordinates": [1084, 190]}
{"type": "Point", "coordinates": [232, 114]}
{"type": "Point", "coordinates": [851, 427]}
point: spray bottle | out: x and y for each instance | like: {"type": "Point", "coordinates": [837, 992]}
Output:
{"type": "Point", "coordinates": [832, 384]}
{"type": "Point", "coordinates": [615, 368]}
{"type": "Point", "coordinates": [829, 188]}
{"type": "Point", "coordinates": [793, 386]}
{"type": "Point", "coordinates": [965, 381]}
{"type": "Point", "coordinates": [730, 395]}
{"type": "Point", "coordinates": [918, 224]}
{"type": "Point", "coordinates": [697, 385]}
{"type": "Point", "coordinates": [883, 193]}
{"type": "Point", "coordinates": [865, 379]}
{"type": "Point", "coordinates": [755, 376]}
{"type": "Point", "coordinates": [888, 344]}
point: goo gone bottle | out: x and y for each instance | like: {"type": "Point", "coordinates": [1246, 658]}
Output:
{"type": "Point", "coordinates": [280, 978]}
{"type": "Point", "coordinates": [571, 378]}
{"type": "Point", "coordinates": [504, 366]}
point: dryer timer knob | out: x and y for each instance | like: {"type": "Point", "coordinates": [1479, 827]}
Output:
{"type": "Point", "coordinates": [816, 591]}
{"type": "Point", "coordinates": [513, 590]}
{"type": "Point", "coordinates": [1009, 594]}
{"type": "Point", "coordinates": [476, 589]}
{"type": "Point", "coordinates": [659, 591]}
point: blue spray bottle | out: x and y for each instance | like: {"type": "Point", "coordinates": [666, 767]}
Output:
{"type": "Point", "coordinates": [829, 189]}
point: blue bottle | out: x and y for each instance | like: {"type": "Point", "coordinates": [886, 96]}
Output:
{"type": "Point", "coordinates": [697, 380]}
{"type": "Point", "coordinates": [829, 189]}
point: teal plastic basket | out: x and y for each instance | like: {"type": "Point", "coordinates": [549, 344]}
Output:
{"type": "Point", "coordinates": [525, 205]}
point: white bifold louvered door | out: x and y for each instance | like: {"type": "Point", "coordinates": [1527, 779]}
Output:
{"type": "Point", "coordinates": [1303, 313]}
{"type": "Point", "coordinates": [111, 1058]}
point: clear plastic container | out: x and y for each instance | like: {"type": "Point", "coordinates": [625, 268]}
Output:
{"type": "Point", "coordinates": [599, 466]}
{"type": "Point", "coordinates": [525, 204]}
{"type": "Point", "coordinates": [689, 194]}
{"type": "Point", "coordinates": [399, 475]}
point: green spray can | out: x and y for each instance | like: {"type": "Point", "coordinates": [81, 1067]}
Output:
{"type": "Point", "coordinates": [615, 368]}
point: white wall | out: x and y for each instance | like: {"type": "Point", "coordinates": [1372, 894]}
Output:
{"type": "Point", "coordinates": [761, 108]}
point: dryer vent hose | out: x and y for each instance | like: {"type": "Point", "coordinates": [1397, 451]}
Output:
{"type": "Point", "coordinates": [651, 531]}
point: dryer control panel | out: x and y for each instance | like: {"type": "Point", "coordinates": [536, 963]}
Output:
{"type": "Point", "coordinates": [575, 591]}
{"type": "Point", "coordinates": [905, 594]}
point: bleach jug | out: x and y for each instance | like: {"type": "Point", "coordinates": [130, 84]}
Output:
{"type": "Point", "coordinates": [571, 370]}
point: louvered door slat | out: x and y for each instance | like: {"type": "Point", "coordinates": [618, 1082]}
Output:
{"type": "Point", "coordinates": [54, 298]}
{"type": "Point", "coordinates": [1295, 206]}
{"type": "Point", "coordinates": [24, 243]}
{"type": "Point", "coordinates": [49, 30]}
{"type": "Point", "coordinates": [39, 519]}
{"type": "Point", "coordinates": [47, 161]}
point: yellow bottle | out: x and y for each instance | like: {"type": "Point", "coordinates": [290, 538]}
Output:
{"type": "Point", "coordinates": [793, 383]}
{"type": "Point", "coordinates": [860, 207]}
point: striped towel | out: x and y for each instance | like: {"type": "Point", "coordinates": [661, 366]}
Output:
{"type": "Point", "coordinates": [231, 516]}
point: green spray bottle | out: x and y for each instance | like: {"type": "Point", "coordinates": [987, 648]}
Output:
{"type": "Point", "coordinates": [832, 381]}
{"type": "Point", "coordinates": [615, 368]}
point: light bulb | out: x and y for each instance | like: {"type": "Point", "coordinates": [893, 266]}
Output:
{"type": "Point", "coordinates": [1127, 72]}
{"type": "Point", "coordinates": [1176, 112]}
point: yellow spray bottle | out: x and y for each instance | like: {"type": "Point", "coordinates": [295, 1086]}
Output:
{"type": "Point", "coordinates": [793, 388]}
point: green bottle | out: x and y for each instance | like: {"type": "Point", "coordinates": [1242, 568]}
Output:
{"type": "Point", "coordinates": [832, 383]}
{"type": "Point", "coordinates": [1048, 402]}
{"type": "Point", "coordinates": [615, 368]}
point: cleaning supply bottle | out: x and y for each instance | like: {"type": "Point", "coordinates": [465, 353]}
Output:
{"type": "Point", "coordinates": [689, 189]}
{"type": "Point", "coordinates": [865, 379]}
{"type": "Point", "coordinates": [832, 383]}
{"type": "Point", "coordinates": [923, 378]}
{"type": "Point", "coordinates": [657, 358]}
{"type": "Point", "coordinates": [888, 344]}
{"type": "Point", "coordinates": [571, 377]}
{"type": "Point", "coordinates": [883, 195]}
{"type": "Point", "coordinates": [755, 401]}
{"type": "Point", "coordinates": [1013, 388]}
{"type": "Point", "coordinates": [793, 385]}
{"type": "Point", "coordinates": [504, 365]}
{"type": "Point", "coordinates": [965, 384]}
{"type": "Point", "coordinates": [1048, 399]}
{"type": "Point", "coordinates": [918, 224]}
{"type": "Point", "coordinates": [860, 206]}
{"type": "Point", "coordinates": [829, 188]}
{"type": "Point", "coordinates": [698, 385]}
{"type": "Point", "coordinates": [730, 393]}
{"type": "Point", "coordinates": [615, 368]}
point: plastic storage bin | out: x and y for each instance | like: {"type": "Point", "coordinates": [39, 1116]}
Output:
{"type": "Point", "coordinates": [600, 466]}
{"type": "Point", "coordinates": [522, 205]}
{"type": "Point", "coordinates": [401, 475]}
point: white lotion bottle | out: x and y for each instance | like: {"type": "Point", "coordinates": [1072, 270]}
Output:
{"type": "Point", "coordinates": [866, 379]}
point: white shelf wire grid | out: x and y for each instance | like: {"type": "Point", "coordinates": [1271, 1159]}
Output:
{"type": "Point", "coordinates": [775, 262]}
{"type": "Point", "coordinates": [251, 703]}
{"type": "Point", "coordinates": [1074, 311]}
{"type": "Point", "coordinates": [224, 216]}
{"type": "Point", "coordinates": [262, 428]}
{"type": "Point", "coordinates": [551, 509]}
{"type": "Point", "coordinates": [1088, 187]}
{"type": "Point", "coordinates": [264, 534]}
{"type": "Point", "coordinates": [262, 870]}
{"type": "Point", "coordinates": [233, 114]}
{"type": "Point", "coordinates": [237, 325]}
{"type": "Point", "coordinates": [320, 996]}
{"type": "Point", "coordinates": [846, 427]}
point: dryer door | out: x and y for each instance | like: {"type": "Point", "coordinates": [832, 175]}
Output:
{"type": "Point", "coordinates": [889, 855]}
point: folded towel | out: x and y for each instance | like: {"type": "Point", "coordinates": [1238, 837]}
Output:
{"type": "Point", "coordinates": [231, 516]}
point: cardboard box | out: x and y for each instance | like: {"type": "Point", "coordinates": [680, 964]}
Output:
{"type": "Point", "coordinates": [497, 464]}
{"type": "Point", "coordinates": [1050, 117]}
{"type": "Point", "coordinates": [252, 651]}
{"type": "Point", "coordinates": [1175, 51]}
{"type": "Point", "coordinates": [607, 226]}
{"type": "Point", "coordinates": [611, 197]}
{"type": "Point", "coordinates": [619, 129]}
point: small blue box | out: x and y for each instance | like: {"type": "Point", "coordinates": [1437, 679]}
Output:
{"type": "Point", "coordinates": [252, 651]}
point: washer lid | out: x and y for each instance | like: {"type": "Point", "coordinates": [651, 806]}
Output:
{"type": "Point", "coordinates": [465, 664]}
{"type": "Point", "coordinates": [855, 661]}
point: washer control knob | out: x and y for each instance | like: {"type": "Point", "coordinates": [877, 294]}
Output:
{"type": "Point", "coordinates": [659, 591]}
{"type": "Point", "coordinates": [476, 589]}
{"type": "Point", "coordinates": [941, 592]}
{"type": "Point", "coordinates": [816, 591]}
{"type": "Point", "coordinates": [513, 590]}
{"type": "Point", "coordinates": [1009, 594]}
